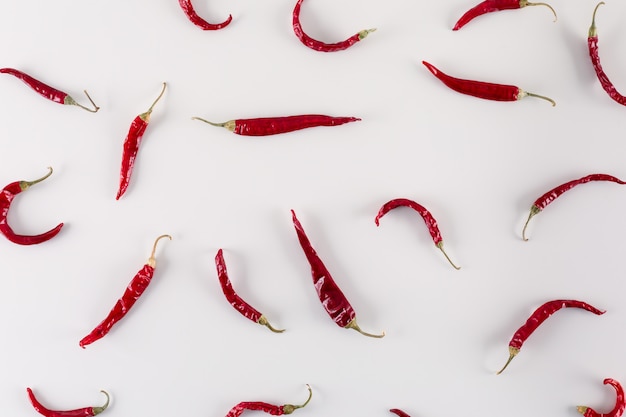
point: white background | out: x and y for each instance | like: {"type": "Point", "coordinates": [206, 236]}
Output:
{"type": "Point", "coordinates": [477, 165]}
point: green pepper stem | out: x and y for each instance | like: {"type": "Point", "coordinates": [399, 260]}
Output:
{"type": "Point", "coordinates": [512, 353]}
{"type": "Point", "coordinates": [524, 3]}
{"type": "Point", "coordinates": [145, 116]}
{"type": "Point", "coordinates": [354, 326]}
{"type": "Point", "coordinates": [264, 322]}
{"type": "Point", "coordinates": [152, 259]}
{"type": "Point", "coordinates": [592, 29]}
{"type": "Point", "coordinates": [98, 410]}
{"type": "Point", "coordinates": [533, 210]}
{"type": "Point", "coordinates": [24, 185]}
{"type": "Point", "coordinates": [290, 408]}
{"type": "Point", "coordinates": [440, 246]}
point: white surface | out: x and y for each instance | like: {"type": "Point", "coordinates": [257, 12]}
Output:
{"type": "Point", "coordinates": [477, 165]}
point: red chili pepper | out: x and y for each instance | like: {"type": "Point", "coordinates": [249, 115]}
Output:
{"type": "Point", "coordinates": [399, 412]}
{"type": "Point", "coordinates": [131, 145]}
{"type": "Point", "coordinates": [537, 318]}
{"type": "Point", "coordinates": [430, 221]}
{"type": "Point", "coordinates": [266, 126]}
{"type": "Point", "coordinates": [6, 198]}
{"type": "Point", "coordinates": [480, 89]}
{"type": "Point", "coordinates": [321, 46]}
{"type": "Point", "coordinates": [489, 6]}
{"type": "Point", "coordinates": [49, 92]}
{"type": "Point", "coordinates": [334, 301]}
{"type": "Point", "coordinates": [618, 409]}
{"type": "Point", "coordinates": [200, 22]}
{"type": "Point", "coordinates": [554, 193]}
{"type": "Point", "coordinates": [275, 410]}
{"type": "Point", "coordinates": [80, 412]}
{"type": "Point", "coordinates": [235, 300]}
{"type": "Point", "coordinates": [135, 289]}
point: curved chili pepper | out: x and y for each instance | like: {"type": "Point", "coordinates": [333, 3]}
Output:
{"type": "Point", "coordinates": [321, 46]}
{"type": "Point", "coordinates": [49, 92]}
{"type": "Point", "coordinates": [554, 193]}
{"type": "Point", "coordinates": [618, 409]}
{"type": "Point", "coordinates": [537, 318]}
{"type": "Point", "coordinates": [334, 301]}
{"type": "Point", "coordinates": [235, 300]}
{"type": "Point", "coordinates": [489, 6]}
{"type": "Point", "coordinates": [131, 145]}
{"type": "Point", "coordinates": [399, 412]}
{"type": "Point", "coordinates": [266, 126]}
{"type": "Point", "coordinates": [480, 89]}
{"type": "Point", "coordinates": [135, 289]}
{"type": "Point", "coordinates": [6, 198]}
{"type": "Point", "coordinates": [428, 218]}
{"type": "Point", "coordinates": [275, 410]}
{"type": "Point", "coordinates": [80, 412]}
{"type": "Point", "coordinates": [198, 21]}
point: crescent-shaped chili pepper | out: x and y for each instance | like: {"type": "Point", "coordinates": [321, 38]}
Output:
{"type": "Point", "coordinates": [618, 409]}
{"type": "Point", "coordinates": [537, 318]}
{"type": "Point", "coordinates": [321, 46]}
{"type": "Point", "coordinates": [275, 410]}
{"type": "Point", "coordinates": [489, 6]}
{"type": "Point", "coordinates": [198, 21]}
{"type": "Point", "coordinates": [133, 291]}
{"type": "Point", "coordinates": [6, 198]}
{"type": "Point", "coordinates": [399, 412]}
{"type": "Point", "coordinates": [80, 412]}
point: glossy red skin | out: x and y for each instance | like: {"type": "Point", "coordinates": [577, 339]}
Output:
{"type": "Point", "coordinates": [198, 21]}
{"type": "Point", "coordinates": [45, 90]}
{"type": "Point", "coordinates": [6, 197]}
{"type": "Point", "coordinates": [620, 403]}
{"type": "Point", "coordinates": [334, 301]}
{"type": "Point", "coordinates": [399, 412]}
{"type": "Point", "coordinates": [275, 125]}
{"type": "Point", "coordinates": [541, 314]}
{"type": "Point", "coordinates": [131, 147]}
{"type": "Point", "coordinates": [275, 410]}
{"type": "Point", "coordinates": [80, 412]}
{"type": "Point", "coordinates": [487, 6]}
{"type": "Point", "coordinates": [592, 42]}
{"type": "Point", "coordinates": [135, 289]}
{"type": "Point", "coordinates": [554, 193]}
{"type": "Point", "coordinates": [430, 221]}
{"type": "Point", "coordinates": [235, 300]}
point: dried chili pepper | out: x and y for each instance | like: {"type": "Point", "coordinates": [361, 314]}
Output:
{"type": "Point", "coordinates": [235, 300]}
{"type": "Point", "coordinates": [618, 409]}
{"type": "Point", "coordinates": [554, 193]}
{"type": "Point", "coordinates": [428, 218]}
{"type": "Point", "coordinates": [321, 46]}
{"type": "Point", "coordinates": [489, 6]}
{"type": "Point", "coordinates": [6, 198]}
{"type": "Point", "coordinates": [266, 126]}
{"type": "Point", "coordinates": [334, 301]}
{"type": "Point", "coordinates": [399, 412]}
{"type": "Point", "coordinates": [198, 21]}
{"type": "Point", "coordinates": [135, 289]}
{"type": "Point", "coordinates": [49, 92]}
{"type": "Point", "coordinates": [131, 145]}
{"type": "Point", "coordinates": [80, 412]}
{"type": "Point", "coordinates": [537, 318]}
{"type": "Point", "coordinates": [480, 89]}
{"type": "Point", "coordinates": [275, 410]}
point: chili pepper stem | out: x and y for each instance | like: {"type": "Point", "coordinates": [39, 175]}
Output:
{"type": "Point", "coordinates": [363, 34]}
{"type": "Point", "coordinates": [98, 410]}
{"type": "Point", "coordinates": [264, 322]}
{"type": "Point", "coordinates": [290, 408]}
{"type": "Point", "coordinates": [593, 31]}
{"type": "Point", "coordinates": [230, 125]}
{"type": "Point", "coordinates": [533, 210]}
{"type": "Point", "coordinates": [524, 3]}
{"type": "Point", "coordinates": [24, 185]}
{"type": "Point", "coordinates": [152, 259]}
{"type": "Point", "coordinates": [146, 115]}
{"type": "Point", "coordinates": [440, 246]}
{"type": "Point", "coordinates": [582, 409]}
{"type": "Point", "coordinates": [523, 94]}
{"type": "Point", "coordinates": [70, 101]}
{"type": "Point", "coordinates": [353, 325]}
{"type": "Point", "coordinates": [512, 353]}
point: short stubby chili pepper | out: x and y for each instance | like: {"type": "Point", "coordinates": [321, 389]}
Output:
{"type": "Point", "coordinates": [537, 318]}
{"type": "Point", "coordinates": [334, 301]}
{"type": "Point", "coordinates": [481, 89]}
{"type": "Point", "coordinates": [399, 412]}
{"type": "Point", "coordinates": [131, 145]}
{"type": "Point", "coordinates": [234, 299]}
{"type": "Point", "coordinates": [548, 197]}
{"type": "Point", "coordinates": [321, 46]}
{"type": "Point", "coordinates": [266, 126]}
{"type": "Point", "coordinates": [428, 218]}
{"type": "Point", "coordinates": [489, 6]}
{"type": "Point", "coordinates": [49, 92]}
{"type": "Point", "coordinates": [618, 409]}
{"type": "Point", "coordinates": [135, 289]}
{"type": "Point", "coordinates": [200, 22]}
{"type": "Point", "coordinates": [80, 412]}
{"type": "Point", "coordinates": [275, 410]}
{"type": "Point", "coordinates": [6, 198]}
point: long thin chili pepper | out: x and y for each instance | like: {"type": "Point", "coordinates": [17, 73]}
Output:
{"type": "Point", "coordinates": [537, 318]}
{"type": "Point", "coordinates": [198, 21]}
{"type": "Point", "coordinates": [547, 198]}
{"type": "Point", "coordinates": [266, 126]}
{"type": "Point", "coordinates": [275, 410]}
{"type": "Point", "coordinates": [428, 218]}
{"type": "Point", "coordinates": [489, 6]}
{"type": "Point", "coordinates": [618, 409]}
{"type": "Point", "coordinates": [131, 145]}
{"type": "Point", "coordinates": [135, 289]}
{"type": "Point", "coordinates": [480, 89]}
{"type": "Point", "coordinates": [334, 301]}
{"type": "Point", "coordinates": [234, 299]}
{"type": "Point", "coordinates": [6, 198]}
{"type": "Point", "coordinates": [49, 92]}
{"type": "Point", "coordinates": [80, 412]}
{"type": "Point", "coordinates": [321, 46]}
{"type": "Point", "coordinates": [399, 412]}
